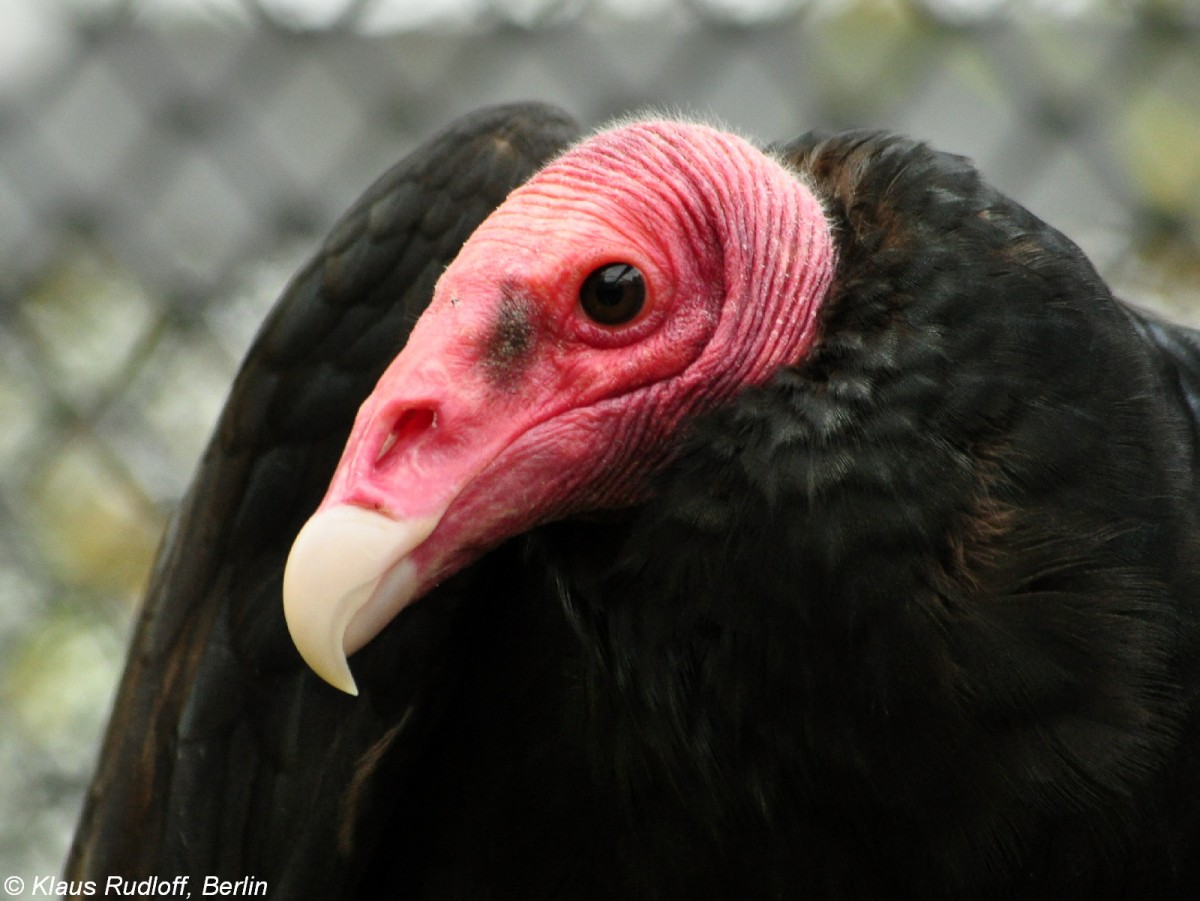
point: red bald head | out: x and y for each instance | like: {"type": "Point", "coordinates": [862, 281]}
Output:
{"type": "Point", "coordinates": [646, 275]}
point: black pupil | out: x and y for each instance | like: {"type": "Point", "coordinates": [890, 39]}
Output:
{"type": "Point", "coordinates": [613, 294]}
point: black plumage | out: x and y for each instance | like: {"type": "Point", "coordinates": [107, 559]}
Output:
{"type": "Point", "coordinates": [915, 619]}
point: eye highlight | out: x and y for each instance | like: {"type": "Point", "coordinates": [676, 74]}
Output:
{"type": "Point", "coordinates": [613, 294]}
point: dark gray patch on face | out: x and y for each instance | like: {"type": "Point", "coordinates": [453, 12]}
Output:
{"type": "Point", "coordinates": [510, 340]}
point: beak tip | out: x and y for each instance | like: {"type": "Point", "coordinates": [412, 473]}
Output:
{"type": "Point", "coordinates": [319, 644]}
{"type": "Point", "coordinates": [343, 681]}
{"type": "Point", "coordinates": [335, 671]}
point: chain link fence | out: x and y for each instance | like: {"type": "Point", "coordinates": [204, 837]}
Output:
{"type": "Point", "coordinates": [164, 166]}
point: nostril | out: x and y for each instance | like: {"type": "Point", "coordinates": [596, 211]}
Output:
{"type": "Point", "coordinates": [406, 428]}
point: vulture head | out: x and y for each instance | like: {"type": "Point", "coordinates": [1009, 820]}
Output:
{"type": "Point", "coordinates": [646, 275]}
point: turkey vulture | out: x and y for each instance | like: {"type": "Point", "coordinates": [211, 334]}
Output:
{"type": "Point", "coordinates": [807, 522]}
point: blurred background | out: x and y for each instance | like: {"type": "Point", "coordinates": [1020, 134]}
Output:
{"type": "Point", "coordinates": [166, 164]}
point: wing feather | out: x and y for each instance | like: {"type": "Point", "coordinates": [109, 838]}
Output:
{"type": "Point", "coordinates": [224, 755]}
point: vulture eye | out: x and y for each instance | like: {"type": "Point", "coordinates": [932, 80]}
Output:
{"type": "Point", "coordinates": [613, 294]}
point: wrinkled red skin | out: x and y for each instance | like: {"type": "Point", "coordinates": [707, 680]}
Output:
{"type": "Point", "coordinates": [509, 407]}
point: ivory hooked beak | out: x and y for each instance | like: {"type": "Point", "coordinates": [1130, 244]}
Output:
{"type": "Point", "coordinates": [347, 575]}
